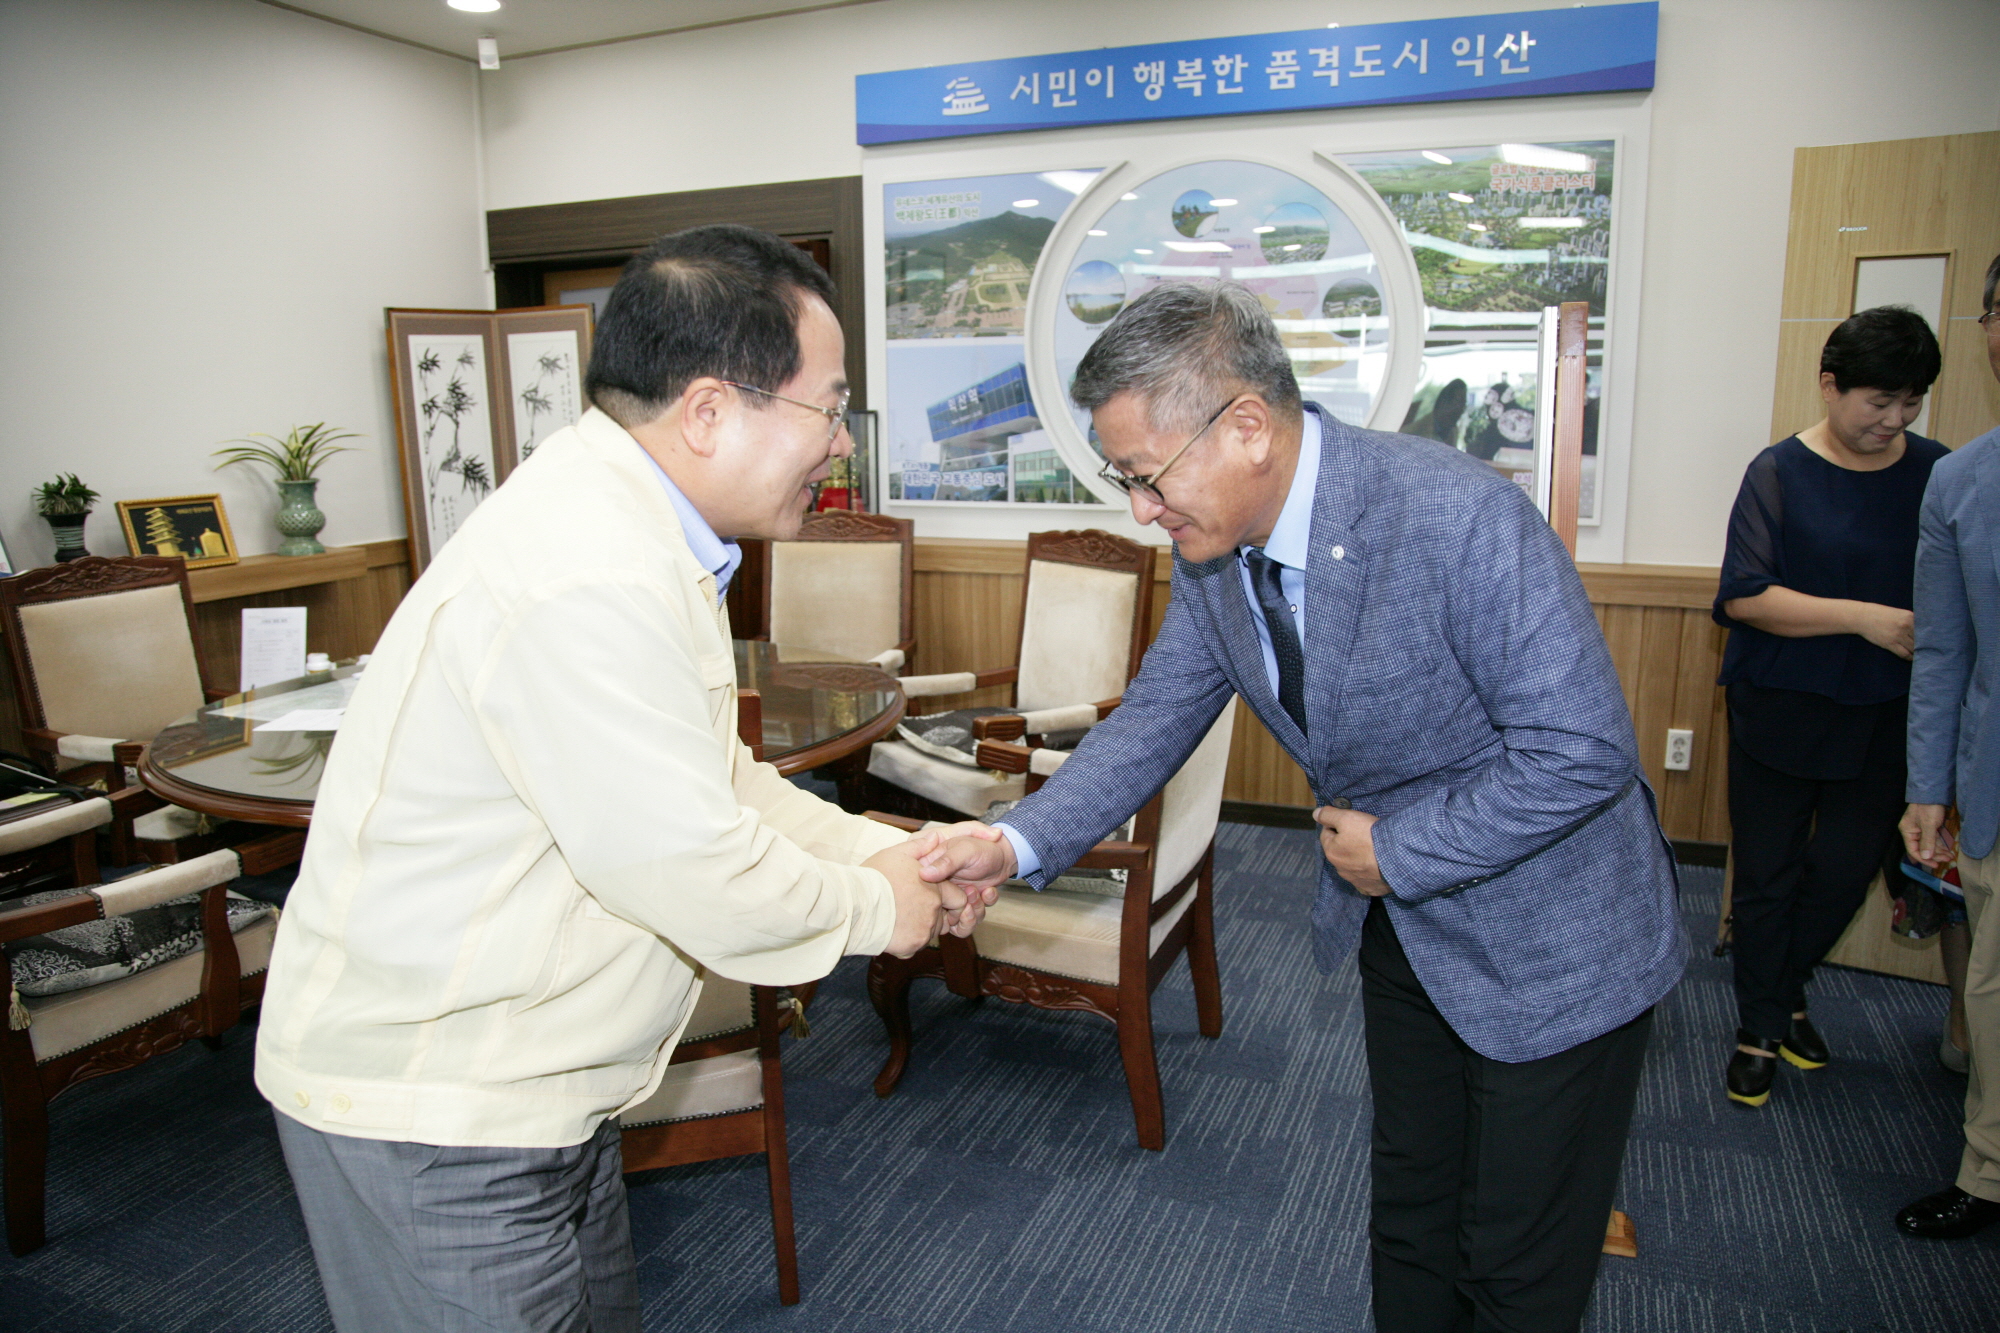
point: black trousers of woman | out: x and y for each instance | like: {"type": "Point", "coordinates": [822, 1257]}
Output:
{"type": "Point", "coordinates": [1806, 850]}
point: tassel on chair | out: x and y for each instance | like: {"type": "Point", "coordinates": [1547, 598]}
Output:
{"type": "Point", "coordinates": [800, 1028]}
{"type": "Point", "coordinates": [18, 1017]}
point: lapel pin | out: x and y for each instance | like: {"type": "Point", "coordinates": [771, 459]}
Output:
{"type": "Point", "coordinates": [1338, 553]}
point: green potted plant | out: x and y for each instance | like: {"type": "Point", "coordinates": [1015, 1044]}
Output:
{"type": "Point", "coordinates": [65, 503]}
{"type": "Point", "coordinates": [296, 459]}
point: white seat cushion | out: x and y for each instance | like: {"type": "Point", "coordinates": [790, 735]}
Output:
{"type": "Point", "coordinates": [63, 1023]}
{"type": "Point", "coordinates": [700, 1088]}
{"type": "Point", "coordinates": [967, 790]}
{"type": "Point", "coordinates": [1070, 934]}
{"type": "Point", "coordinates": [168, 824]}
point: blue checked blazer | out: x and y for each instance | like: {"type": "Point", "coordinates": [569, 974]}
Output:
{"type": "Point", "coordinates": [1458, 686]}
{"type": "Point", "coordinates": [1954, 749]}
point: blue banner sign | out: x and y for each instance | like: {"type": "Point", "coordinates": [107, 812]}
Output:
{"type": "Point", "coordinates": [1602, 48]}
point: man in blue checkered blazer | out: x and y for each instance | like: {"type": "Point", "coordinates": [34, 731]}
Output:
{"type": "Point", "coordinates": [1416, 637]}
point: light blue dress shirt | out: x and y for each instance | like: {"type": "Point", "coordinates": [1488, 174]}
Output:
{"type": "Point", "coordinates": [1290, 538]}
{"type": "Point", "coordinates": [715, 555]}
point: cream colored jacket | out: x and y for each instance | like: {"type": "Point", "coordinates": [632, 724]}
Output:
{"type": "Point", "coordinates": [538, 827]}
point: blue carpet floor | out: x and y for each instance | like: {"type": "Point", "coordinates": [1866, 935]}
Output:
{"type": "Point", "coordinates": [1000, 1190]}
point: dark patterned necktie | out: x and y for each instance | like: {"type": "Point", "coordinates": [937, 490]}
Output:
{"type": "Point", "coordinates": [1265, 578]}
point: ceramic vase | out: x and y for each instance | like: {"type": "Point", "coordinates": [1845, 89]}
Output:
{"type": "Point", "coordinates": [68, 530]}
{"type": "Point", "coordinates": [299, 518]}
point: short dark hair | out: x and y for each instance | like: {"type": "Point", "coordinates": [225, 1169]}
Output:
{"type": "Point", "coordinates": [1184, 347]}
{"type": "Point", "coordinates": [721, 300]}
{"type": "Point", "coordinates": [1992, 279]}
{"type": "Point", "coordinates": [1889, 347]}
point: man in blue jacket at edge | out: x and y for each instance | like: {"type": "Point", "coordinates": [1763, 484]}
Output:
{"type": "Point", "coordinates": [1416, 637]}
{"type": "Point", "coordinates": [1955, 759]}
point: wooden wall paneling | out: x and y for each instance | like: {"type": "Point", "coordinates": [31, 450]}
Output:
{"type": "Point", "coordinates": [1907, 196]}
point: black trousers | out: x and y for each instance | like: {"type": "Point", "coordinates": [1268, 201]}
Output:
{"type": "Point", "coordinates": [1492, 1181]}
{"type": "Point", "coordinates": [1805, 850]}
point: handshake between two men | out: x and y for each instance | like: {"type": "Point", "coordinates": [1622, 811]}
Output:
{"type": "Point", "coordinates": [946, 877]}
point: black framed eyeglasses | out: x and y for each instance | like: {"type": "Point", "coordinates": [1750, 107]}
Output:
{"type": "Point", "coordinates": [1150, 486]}
{"type": "Point", "coordinates": [836, 417]}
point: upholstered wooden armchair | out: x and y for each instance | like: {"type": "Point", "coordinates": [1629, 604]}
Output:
{"type": "Point", "coordinates": [843, 586]}
{"type": "Point", "coordinates": [104, 657]}
{"type": "Point", "coordinates": [92, 991]}
{"type": "Point", "coordinates": [1087, 944]}
{"type": "Point", "coordinates": [1085, 617]}
{"type": "Point", "coordinates": [724, 1096]}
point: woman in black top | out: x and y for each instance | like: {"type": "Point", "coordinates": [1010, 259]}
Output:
{"type": "Point", "coordinates": [1816, 591]}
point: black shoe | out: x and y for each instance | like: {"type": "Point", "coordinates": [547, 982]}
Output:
{"type": "Point", "coordinates": [1803, 1046]}
{"type": "Point", "coordinates": [1947, 1215]}
{"type": "Point", "coordinates": [1748, 1077]}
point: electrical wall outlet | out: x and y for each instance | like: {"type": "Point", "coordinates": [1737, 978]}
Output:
{"type": "Point", "coordinates": [1680, 749]}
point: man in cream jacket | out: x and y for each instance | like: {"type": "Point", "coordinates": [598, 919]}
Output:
{"type": "Point", "coordinates": [538, 829]}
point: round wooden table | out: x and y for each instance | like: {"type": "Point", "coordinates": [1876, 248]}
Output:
{"type": "Point", "coordinates": [224, 761]}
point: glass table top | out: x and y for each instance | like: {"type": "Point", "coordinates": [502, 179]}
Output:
{"type": "Point", "coordinates": [270, 744]}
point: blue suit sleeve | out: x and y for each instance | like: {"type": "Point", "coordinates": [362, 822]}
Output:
{"type": "Point", "coordinates": [1523, 632]}
{"type": "Point", "coordinates": [1943, 664]}
{"type": "Point", "coordinates": [1123, 760]}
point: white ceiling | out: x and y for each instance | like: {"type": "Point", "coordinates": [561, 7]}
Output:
{"type": "Point", "coordinates": [536, 27]}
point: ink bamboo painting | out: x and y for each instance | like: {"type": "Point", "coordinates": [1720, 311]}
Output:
{"type": "Point", "coordinates": [454, 431]}
{"type": "Point", "coordinates": [548, 389]}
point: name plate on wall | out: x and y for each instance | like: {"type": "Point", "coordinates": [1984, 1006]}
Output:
{"type": "Point", "coordinates": [1536, 53]}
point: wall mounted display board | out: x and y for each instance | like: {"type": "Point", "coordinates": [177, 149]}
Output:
{"type": "Point", "coordinates": [1537, 53]}
{"type": "Point", "coordinates": [1405, 263]}
{"type": "Point", "coordinates": [476, 391]}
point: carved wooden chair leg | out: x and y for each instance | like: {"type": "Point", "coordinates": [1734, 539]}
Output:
{"type": "Point", "coordinates": [889, 990]}
{"type": "Point", "coordinates": [26, 1122]}
{"type": "Point", "coordinates": [1202, 969]}
{"type": "Point", "coordinates": [777, 1159]}
{"type": "Point", "coordinates": [960, 960]}
{"type": "Point", "coordinates": [1142, 1070]}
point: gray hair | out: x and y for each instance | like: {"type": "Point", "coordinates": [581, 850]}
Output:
{"type": "Point", "coordinates": [1184, 348]}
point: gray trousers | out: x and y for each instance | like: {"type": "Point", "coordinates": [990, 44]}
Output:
{"type": "Point", "coordinates": [416, 1238]}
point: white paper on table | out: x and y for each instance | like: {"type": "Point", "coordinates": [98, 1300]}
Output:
{"type": "Point", "coordinates": [331, 694]}
{"type": "Point", "coordinates": [305, 719]}
{"type": "Point", "coordinates": [274, 645]}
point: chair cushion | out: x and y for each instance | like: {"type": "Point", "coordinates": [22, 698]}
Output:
{"type": "Point", "coordinates": [844, 598]}
{"type": "Point", "coordinates": [719, 1085]}
{"type": "Point", "coordinates": [724, 1006]}
{"type": "Point", "coordinates": [947, 736]}
{"type": "Point", "coordinates": [94, 952]}
{"type": "Point", "coordinates": [59, 1024]}
{"type": "Point", "coordinates": [966, 790]}
{"type": "Point", "coordinates": [1076, 635]}
{"type": "Point", "coordinates": [119, 664]}
{"type": "Point", "coordinates": [1069, 934]}
{"type": "Point", "coordinates": [170, 823]}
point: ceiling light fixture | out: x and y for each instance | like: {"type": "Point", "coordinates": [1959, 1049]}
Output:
{"type": "Point", "coordinates": [1543, 223]}
{"type": "Point", "coordinates": [1437, 157]}
{"type": "Point", "coordinates": [1027, 203]}
{"type": "Point", "coordinates": [489, 53]}
{"type": "Point", "coordinates": [1263, 231]}
{"type": "Point", "coordinates": [1128, 196]}
{"type": "Point", "coordinates": [1461, 198]}
{"type": "Point", "coordinates": [475, 6]}
{"type": "Point", "coordinates": [1223, 203]}
{"type": "Point", "coordinates": [1095, 232]}
{"type": "Point", "coordinates": [1199, 247]}
{"type": "Point", "coordinates": [1142, 252]}
{"type": "Point", "coordinates": [1477, 226]}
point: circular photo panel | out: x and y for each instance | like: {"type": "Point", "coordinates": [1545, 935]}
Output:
{"type": "Point", "coordinates": [1095, 291]}
{"type": "Point", "coordinates": [1247, 222]}
{"type": "Point", "coordinates": [1294, 234]}
{"type": "Point", "coordinates": [1193, 211]}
